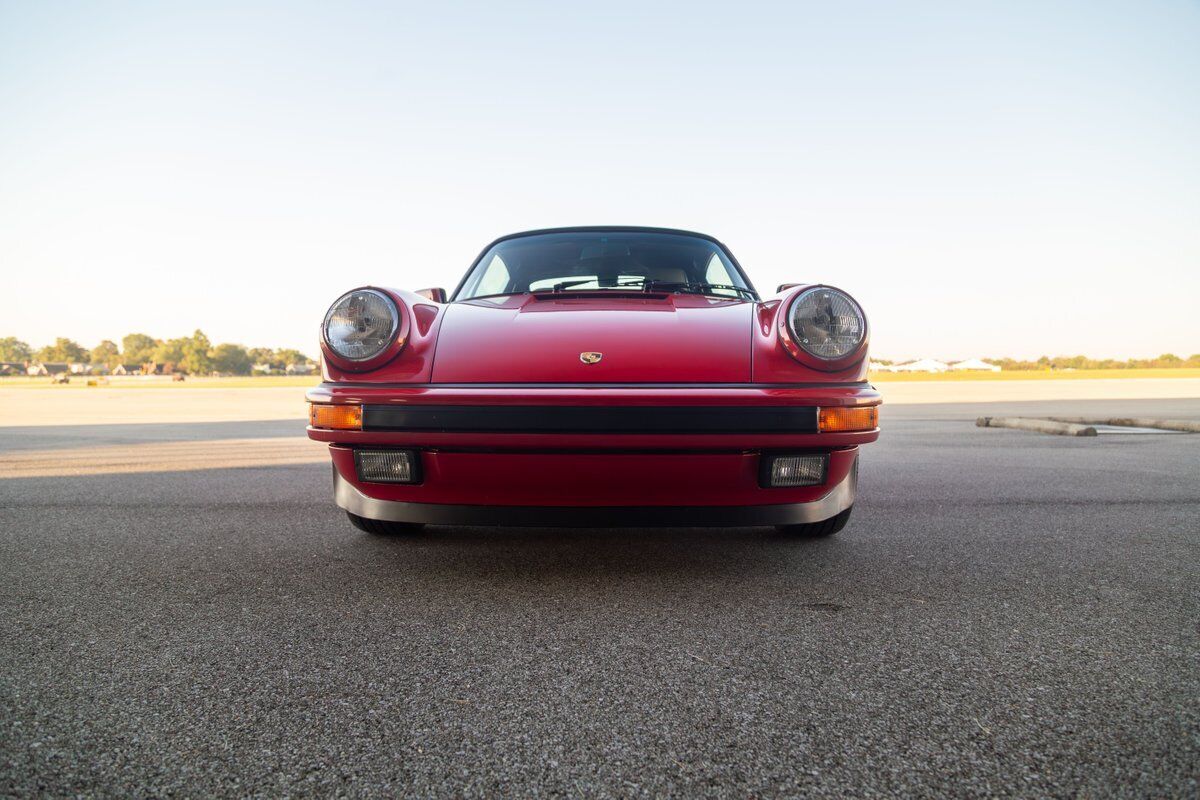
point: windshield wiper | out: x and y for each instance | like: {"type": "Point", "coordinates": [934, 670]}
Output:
{"type": "Point", "coordinates": [560, 286]}
{"type": "Point", "coordinates": [649, 285]}
{"type": "Point", "coordinates": [497, 294]}
{"type": "Point", "coordinates": [697, 288]}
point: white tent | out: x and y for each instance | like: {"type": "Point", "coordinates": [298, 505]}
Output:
{"type": "Point", "coordinates": [974, 364]}
{"type": "Point", "coordinates": [924, 365]}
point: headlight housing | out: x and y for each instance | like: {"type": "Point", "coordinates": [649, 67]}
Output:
{"type": "Point", "coordinates": [361, 325]}
{"type": "Point", "coordinates": [827, 324]}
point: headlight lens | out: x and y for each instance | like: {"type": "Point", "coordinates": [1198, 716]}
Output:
{"type": "Point", "coordinates": [361, 324]}
{"type": "Point", "coordinates": [827, 323]}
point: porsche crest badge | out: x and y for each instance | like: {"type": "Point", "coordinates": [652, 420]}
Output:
{"type": "Point", "coordinates": [591, 358]}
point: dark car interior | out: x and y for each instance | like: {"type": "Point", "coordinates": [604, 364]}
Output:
{"type": "Point", "coordinates": [558, 262]}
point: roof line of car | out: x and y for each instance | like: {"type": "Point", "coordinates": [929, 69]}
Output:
{"type": "Point", "coordinates": [610, 229]}
{"type": "Point", "coordinates": [605, 229]}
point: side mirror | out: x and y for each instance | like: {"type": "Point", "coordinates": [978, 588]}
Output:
{"type": "Point", "coordinates": [783, 287]}
{"type": "Point", "coordinates": [436, 295]}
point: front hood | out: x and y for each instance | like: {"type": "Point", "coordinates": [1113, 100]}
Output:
{"type": "Point", "coordinates": [640, 339]}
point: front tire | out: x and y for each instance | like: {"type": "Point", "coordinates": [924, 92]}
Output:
{"type": "Point", "coordinates": [818, 530]}
{"type": "Point", "coordinates": [380, 527]}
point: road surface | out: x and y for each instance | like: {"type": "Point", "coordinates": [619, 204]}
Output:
{"type": "Point", "coordinates": [1007, 613]}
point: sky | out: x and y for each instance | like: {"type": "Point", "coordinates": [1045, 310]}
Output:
{"type": "Point", "coordinates": [988, 179]}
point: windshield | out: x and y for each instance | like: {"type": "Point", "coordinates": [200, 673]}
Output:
{"type": "Point", "coordinates": [605, 261]}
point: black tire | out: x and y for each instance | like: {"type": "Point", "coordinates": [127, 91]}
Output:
{"type": "Point", "coordinates": [381, 527]}
{"type": "Point", "coordinates": [818, 530]}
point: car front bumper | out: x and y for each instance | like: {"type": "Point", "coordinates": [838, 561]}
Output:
{"type": "Point", "coordinates": [594, 455]}
{"type": "Point", "coordinates": [836, 500]}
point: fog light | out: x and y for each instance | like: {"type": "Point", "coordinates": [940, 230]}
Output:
{"type": "Point", "coordinates": [338, 418]}
{"type": "Point", "coordinates": [863, 418]}
{"type": "Point", "coordinates": [806, 470]}
{"type": "Point", "coordinates": [387, 466]}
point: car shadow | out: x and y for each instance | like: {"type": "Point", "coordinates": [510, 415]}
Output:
{"type": "Point", "coordinates": [545, 553]}
{"type": "Point", "coordinates": [289, 511]}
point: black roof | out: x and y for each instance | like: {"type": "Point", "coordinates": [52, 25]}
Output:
{"type": "Point", "coordinates": [607, 229]}
{"type": "Point", "coordinates": [611, 229]}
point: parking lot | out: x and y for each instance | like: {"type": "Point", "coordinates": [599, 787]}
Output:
{"type": "Point", "coordinates": [1006, 613]}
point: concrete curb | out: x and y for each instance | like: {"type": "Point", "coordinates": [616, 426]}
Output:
{"type": "Point", "coordinates": [1036, 425]}
{"type": "Point", "coordinates": [1185, 425]}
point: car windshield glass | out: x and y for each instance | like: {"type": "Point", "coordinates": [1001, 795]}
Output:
{"type": "Point", "coordinates": [601, 261]}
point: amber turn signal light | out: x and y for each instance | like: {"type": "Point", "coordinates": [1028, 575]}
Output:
{"type": "Point", "coordinates": [338, 418]}
{"type": "Point", "coordinates": [863, 418]}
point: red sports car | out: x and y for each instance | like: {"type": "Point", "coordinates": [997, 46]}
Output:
{"type": "Point", "coordinates": [596, 377]}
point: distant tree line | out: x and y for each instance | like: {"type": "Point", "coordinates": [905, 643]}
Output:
{"type": "Point", "coordinates": [1165, 361]}
{"type": "Point", "coordinates": [193, 354]}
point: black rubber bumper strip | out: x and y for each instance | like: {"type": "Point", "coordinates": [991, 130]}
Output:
{"type": "Point", "coordinates": [591, 419]}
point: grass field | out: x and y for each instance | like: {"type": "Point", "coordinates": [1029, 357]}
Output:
{"type": "Point", "coordinates": [120, 382]}
{"type": "Point", "coordinates": [1033, 375]}
{"type": "Point", "coordinates": [263, 382]}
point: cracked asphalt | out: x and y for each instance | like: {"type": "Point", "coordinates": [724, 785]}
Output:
{"type": "Point", "coordinates": [1007, 613]}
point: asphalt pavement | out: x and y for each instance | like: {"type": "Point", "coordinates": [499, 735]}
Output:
{"type": "Point", "coordinates": [1007, 613]}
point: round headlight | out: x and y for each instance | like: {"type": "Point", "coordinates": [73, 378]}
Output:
{"type": "Point", "coordinates": [827, 323]}
{"type": "Point", "coordinates": [361, 324]}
